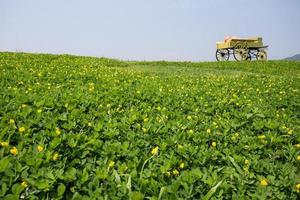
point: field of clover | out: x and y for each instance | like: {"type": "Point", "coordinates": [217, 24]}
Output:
{"type": "Point", "coordinates": [95, 128]}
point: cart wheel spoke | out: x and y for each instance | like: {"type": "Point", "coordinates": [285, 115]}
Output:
{"type": "Point", "coordinates": [222, 54]}
{"type": "Point", "coordinates": [261, 55]}
{"type": "Point", "coordinates": [241, 52]}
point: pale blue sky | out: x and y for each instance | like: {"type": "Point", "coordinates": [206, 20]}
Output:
{"type": "Point", "coordinates": [146, 29]}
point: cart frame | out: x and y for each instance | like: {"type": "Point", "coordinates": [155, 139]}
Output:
{"type": "Point", "coordinates": [241, 49]}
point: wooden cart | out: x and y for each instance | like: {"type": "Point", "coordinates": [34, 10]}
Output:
{"type": "Point", "coordinates": [241, 49]}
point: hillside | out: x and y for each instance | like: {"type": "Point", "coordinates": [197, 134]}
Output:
{"type": "Point", "coordinates": [85, 128]}
{"type": "Point", "coordinates": [295, 57]}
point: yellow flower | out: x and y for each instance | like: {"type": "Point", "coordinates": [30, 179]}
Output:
{"type": "Point", "coordinates": [14, 151]}
{"type": "Point", "coordinates": [91, 88]}
{"type": "Point", "coordinates": [191, 131]}
{"type": "Point", "coordinates": [111, 164]}
{"type": "Point", "coordinates": [298, 157]}
{"type": "Point", "coordinates": [181, 165]}
{"type": "Point", "coordinates": [298, 188]}
{"type": "Point", "coordinates": [213, 144]}
{"type": "Point", "coordinates": [11, 121]}
{"type": "Point", "coordinates": [57, 131]}
{"type": "Point", "coordinates": [4, 144]}
{"type": "Point", "coordinates": [247, 162]}
{"type": "Point", "coordinates": [89, 124]}
{"type": "Point", "coordinates": [297, 145]}
{"type": "Point", "coordinates": [168, 174]}
{"type": "Point", "coordinates": [22, 129]}
{"type": "Point", "coordinates": [175, 172]}
{"type": "Point", "coordinates": [246, 170]}
{"type": "Point", "coordinates": [24, 105]}
{"type": "Point", "coordinates": [290, 131]}
{"type": "Point", "coordinates": [208, 131]}
{"type": "Point", "coordinates": [55, 156]}
{"type": "Point", "coordinates": [39, 110]}
{"type": "Point", "coordinates": [154, 151]}
{"type": "Point", "coordinates": [145, 130]}
{"type": "Point", "coordinates": [40, 148]}
{"type": "Point", "coordinates": [263, 182]}
{"type": "Point", "coordinates": [189, 118]}
{"type": "Point", "coordinates": [261, 137]}
{"type": "Point", "coordinates": [146, 119]}
{"type": "Point", "coordinates": [24, 184]}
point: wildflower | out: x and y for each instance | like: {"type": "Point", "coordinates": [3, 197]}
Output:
{"type": "Point", "coordinates": [57, 131]}
{"type": "Point", "coordinates": [297, 145]}
{"type": "Point", "coordinates": [246, 162]}
{"type": "Point", "coordinates": [91, 88]}
{"type": "Point", "coordinates": [154, 151]}
{"type": "Point", "coordinates": [39, 148]}
{"type": "Point", "coordinates": [189, 118]}
{"type": "Point", "coordinates": [290, 131]}
{"type": "Point", "coordinates": [181, 165]}
{"type": "Point", "coordinates": [14, 151]}
{"type": "Point", "coordinates": [191, 131]}
{"type": "Point", "coordinates": [175, 172]}
{"type": "Point", "coordinates": [168, 174]}
{"type": "Point", "coordinates": [158, 108]}
{"type": "Point", "coordinates": [11, 121]}
{"type": "Point", "coordinates": [55, 156]}
{"type": "Point", "coordinates": [22, 129]}
{"type": "Point", "coordinates": [263, 182]}
{"type": "Point", "coordinates": [39, 110]}
{"type": "Point", "coordinates": [146, 119]}
{"type": "Point", "coordinates": [89, 124]}
{"type": "Point", "coordinates": [298, 157]}
{"type": "Point", "coordinates": [145, 130]}
{"type": "Point", "coordinates": [261, 137]}
{"type": "Point", "coordinates": [24, 184]}
{"type": "Point", "coordinates": [213, 144]}
{"type": "Point", "coordinates": [233, 138]}
{"type": "Point", "coordinates": [24, 105]}
{"type": "Point", "coordinates": [111, 164]}
{"type": "Point", "coordinates": [298, 188]}
{"type": "Point", "coordinates": [4, 144]}
{"type": "Point", "coordinates": [208, 131]}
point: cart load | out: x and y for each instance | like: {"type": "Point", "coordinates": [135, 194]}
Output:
{"type": "Point", "coordinates": [241, 49]}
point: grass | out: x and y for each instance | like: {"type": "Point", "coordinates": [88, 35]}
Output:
{"type": "Point", "coordinates": [95, 128]}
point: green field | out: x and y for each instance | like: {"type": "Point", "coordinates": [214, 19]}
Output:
{"type": "Point", "coordinates": [94, 128]}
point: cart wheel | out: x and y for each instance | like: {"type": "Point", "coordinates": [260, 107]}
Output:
{"type": "Point", "coordinates": [261, 55]}
{"type": "Point", "coordinates": [222, 54]}
{"type": "Point", "coordinates": [241, 52]}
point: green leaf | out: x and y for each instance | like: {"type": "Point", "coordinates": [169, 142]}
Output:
{"type": "Point", "coordinates": [3, 189]}
{"type": "Point", "coordinates": [43, 185]}
{"type": "Point", "coordinates": [3, 164]}
{"type": "Point", "coordinates": [70, 174]}
{"type": "Point", "coordinates": [11, 197]}
{"type": "Point", "coordinates": [61, 189]}
{"type": "Point", "coordinates": [212, 191]}
{"type": "Point", "coordinates": [162, 189]}
{"type": "Point", "coordinates": [17, 189]}
{"type": "Point", "coordinates": [136, 196]}
{"type": "Point", "coordinates": [235, 165]}
{"type": "Point", "coordinates": [84, 176]}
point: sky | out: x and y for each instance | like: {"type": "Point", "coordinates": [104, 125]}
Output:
{"type": "Point", "coordinates": [178, 30]}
